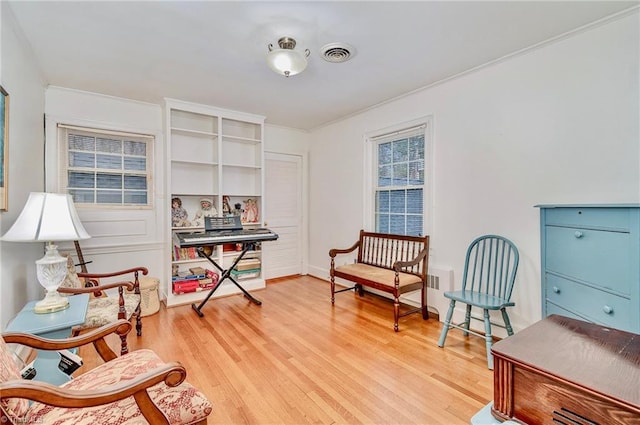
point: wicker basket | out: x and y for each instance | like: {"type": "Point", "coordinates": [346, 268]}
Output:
{"type": "Point", "coordinates": [149, 300]}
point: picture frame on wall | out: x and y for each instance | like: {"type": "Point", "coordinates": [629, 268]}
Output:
{"type": "Point", "coordinates": [4, 152]}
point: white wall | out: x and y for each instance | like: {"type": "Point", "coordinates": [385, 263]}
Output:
{"type": "Point", "coordinates": [558, 124]}
{"type": "Point", "coordinates": [123, 238]}
{"type": "Point", "coordinates": [285, 140]}
{"type": "Point", "coordinates": [111, 247]}
{"type": "Point", "coordinates": [21, 78]}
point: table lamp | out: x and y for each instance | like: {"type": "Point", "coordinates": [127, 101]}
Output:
{"type": "Point", "coordinates": [48, 217]}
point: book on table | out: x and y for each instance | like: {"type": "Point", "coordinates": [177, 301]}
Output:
{"type": "Point", "coordinates": [69, 362]}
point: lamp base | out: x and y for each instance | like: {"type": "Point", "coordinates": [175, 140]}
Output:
{"type": "Point", "coordinates": [51, 304]}
{"type": "Point", "coordinates": [51, 270]}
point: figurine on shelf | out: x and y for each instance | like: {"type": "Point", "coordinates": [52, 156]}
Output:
{"type": "Point", "coordinates": [178, 214]}
{"type": "Point", "coordinates": [250, 214]}
{"type": "Point", "coordinates": [226, 207]}
{"type": "Point", "coordinates": [206, 210]}
{"type": "Point", "coordinates": [237, 209]}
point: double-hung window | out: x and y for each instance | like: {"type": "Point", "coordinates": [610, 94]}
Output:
{"type": "Point", "coordinates": [103, 167]}
{"type": "Point", "coordinates": [399, 189]}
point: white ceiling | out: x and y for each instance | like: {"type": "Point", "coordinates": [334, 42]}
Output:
{"type": "Point", "coordinates": [214, 52]}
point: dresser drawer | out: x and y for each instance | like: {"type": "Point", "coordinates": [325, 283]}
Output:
{"type": "Point", "coordinates": [602, 258]}
{"type": "Point", "coordinates": [554, 309]}
{"type": "Point", "coordinates": [605, 218]}
{"type": "Point", "coordinates": [598, 306]}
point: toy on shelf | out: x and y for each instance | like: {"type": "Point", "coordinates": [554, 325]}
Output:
{"type": "Point", "coordinates": [179, 215]}
{"type": "Point", "coordinates": [250, 214]}
{"type": "Point", "coordinates": [226, 207]}
{"type": "Point", "coordinates": [237, 209]}
{"type": "Point", "coordinates": [206, 210]}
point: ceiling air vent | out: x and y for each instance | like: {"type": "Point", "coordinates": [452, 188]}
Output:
{"type": "Point", "coordinates": [337, 52]}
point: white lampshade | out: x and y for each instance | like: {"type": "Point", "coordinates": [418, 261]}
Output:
{"type": "Point", "coordinates": [285, 60]}
{"type": "Point", "coordinates": [48, 217]}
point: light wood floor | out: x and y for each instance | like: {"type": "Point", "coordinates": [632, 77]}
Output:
{"type": "Point", "coordinates": [298, 360]}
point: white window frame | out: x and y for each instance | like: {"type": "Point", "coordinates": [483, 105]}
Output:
{"type": "Point", "coordinates": [371, 141]}
{"type": "Point", "coordinates": [63, 164]}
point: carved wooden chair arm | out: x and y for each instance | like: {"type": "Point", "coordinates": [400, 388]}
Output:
{"type": "Point", "coordinates": [96, 287]}
{"type": "Point", "coordinates": [333, 252]}
{"type": "Point", "coordinates": [172, 374]}
{"type": "Point", "coordinates": [96, 336]}
{"type": "Point", "coordinates": [94, 276]}
{"type": "Point", "coordinates": [399, 265]}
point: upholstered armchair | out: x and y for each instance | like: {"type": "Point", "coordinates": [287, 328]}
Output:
{"type": "Point", "coordinates": [103, 308]}
{"type": "Point", "coordinates": [137, 388]}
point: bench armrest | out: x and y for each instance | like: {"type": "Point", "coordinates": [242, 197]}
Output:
{"type": "Point", "coordinates": [333, 252]}
{"type": "Point", "coordinates": [399, 265]}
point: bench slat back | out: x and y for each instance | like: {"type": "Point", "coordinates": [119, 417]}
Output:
{"type": "Point", "coordinates": [383, 250]}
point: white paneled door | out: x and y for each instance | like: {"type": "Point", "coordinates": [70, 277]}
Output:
{"type": "Point", "coordinates": [283, 215]}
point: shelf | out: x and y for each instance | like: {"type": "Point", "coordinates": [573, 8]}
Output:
{"type": "Point", "coordinates": [194, 162]}
{"type": "Point", "coordinates": [249, 254]}
{"type": "Point", "coordinates": [228, 138]}
{"type": "Point", "coordinates": [252, 167]}
{"type": "Point", "coordinates": [187, 229]}
{"type": "Point", "coordinates": [189, 132]}
{"type": "Point", "coordinates": [190, 261]}
{"type": "Point", "coordinates": [211, 153]}
{"type": "Point", "coordinates": [226, 288]}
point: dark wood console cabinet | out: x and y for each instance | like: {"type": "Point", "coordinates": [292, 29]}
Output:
{"type": "Point", "coordinates": [566, 371]}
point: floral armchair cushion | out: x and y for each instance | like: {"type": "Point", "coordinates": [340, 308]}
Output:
{"type": "Point", "coordinates": [104, 310]}
{"type": "Point", "coordinates": [183, 404]}
{"type": "Point", "coordinates": [15, 408]}
{"type": "Point", "coordinates": [101, 310]}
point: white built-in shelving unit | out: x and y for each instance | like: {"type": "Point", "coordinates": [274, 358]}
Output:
{"type": "Point", "coordinates": [211, 153]}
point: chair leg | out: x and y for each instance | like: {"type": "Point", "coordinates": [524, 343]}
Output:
{"type": "Point", "coordinates": [507, 322]}
{"type": "Point", "coordinates": [138, 314]}
{"type": "Point", "coordinates": [425, 310]}
{"type": "Point", "coordinates": [467, 320]}
{"type": "Point", "coordinates": [396, 313]}
{"type": "Point", "coordinates": [333, 288]}
{"type": "Point", "coordinates": [488, 338]}
{"type": "Point", "coordinates": [447, 322]}
{"type": "Point", "coordinates": [124, 348]}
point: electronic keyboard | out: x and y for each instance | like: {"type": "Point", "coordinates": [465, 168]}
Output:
{"type": "Point", "coordinates": [218, 237]}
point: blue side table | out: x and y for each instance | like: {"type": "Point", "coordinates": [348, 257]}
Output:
{"type": "Point", "coordinates": [484, 417]}
{"type": "Point", "coordinates": [50, 325]}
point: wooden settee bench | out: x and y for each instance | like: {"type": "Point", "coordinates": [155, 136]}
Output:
{"type": "Point", "coordinates": [395, 264]}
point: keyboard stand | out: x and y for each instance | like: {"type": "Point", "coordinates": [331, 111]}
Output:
{"type": "Point", "coordinates": [226, 274]}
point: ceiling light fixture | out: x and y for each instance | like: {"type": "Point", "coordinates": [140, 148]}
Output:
{"type": "Point", "coordinates": [285, 60]}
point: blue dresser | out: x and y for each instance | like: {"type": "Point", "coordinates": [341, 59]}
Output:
{"type": "Point", "coordinates": [591, 263]}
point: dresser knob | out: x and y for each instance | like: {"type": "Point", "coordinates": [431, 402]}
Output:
{"type": "Point", "coordinates": [607, 309]}
{"type": "Point", "coordinates": [556, 289]}
{"type": "Point", "coordinates": [578, 234]}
